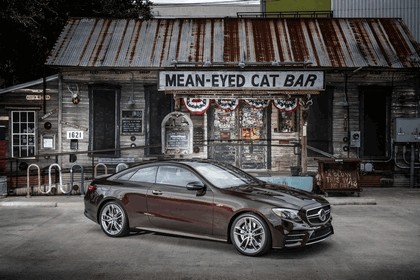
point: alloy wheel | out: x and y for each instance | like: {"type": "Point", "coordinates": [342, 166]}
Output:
{"type": "Point", "coordinates": [250, 235]}
{"type": "Point", "coordinates": [113, 220]}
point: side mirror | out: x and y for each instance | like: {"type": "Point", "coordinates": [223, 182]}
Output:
{"type": "Point", "coordinates": [195, 186]}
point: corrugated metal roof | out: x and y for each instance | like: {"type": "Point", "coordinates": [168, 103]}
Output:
{"type": "Point", "coordinates": [29, 84]}
{"type": "Point", "coordinates": [408, 10]}
{"type": "Point", "coordinates": [327, 42]}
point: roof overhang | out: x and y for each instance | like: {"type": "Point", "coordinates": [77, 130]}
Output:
{"type": "Point", "coordinates": [238, 94]}
{"type": "Point", "coordinates": [28, 84]}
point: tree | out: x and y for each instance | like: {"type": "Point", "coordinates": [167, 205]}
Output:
{"type": "Point", "coordinates": [29, 29]}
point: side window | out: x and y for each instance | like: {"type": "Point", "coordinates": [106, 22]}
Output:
{"type": "Point", "coordinates": [147, 175]}
{"type": "Point", "coordinates": [127, 175]}
{"type": "Point", "coordinates": [23, 134]}
{"type": "Point", "coordinates": [175, 176]}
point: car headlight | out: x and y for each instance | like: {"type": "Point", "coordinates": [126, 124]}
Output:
{"type": "Point", "coordinates": [287, 214]}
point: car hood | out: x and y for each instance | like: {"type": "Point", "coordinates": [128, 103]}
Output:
{"type": "Point", "coordinates": [278, 195]}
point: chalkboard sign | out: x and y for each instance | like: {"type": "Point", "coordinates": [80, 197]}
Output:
{"type": "Point", "coordinates": [132, 121]}
{"type": "Point", "coordinates": [177, 140]}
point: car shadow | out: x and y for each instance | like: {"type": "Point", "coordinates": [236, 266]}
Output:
{"type": "Point", "coordinates": [200, 244]}
{"type": "Point", "coordinates": [301, 252]}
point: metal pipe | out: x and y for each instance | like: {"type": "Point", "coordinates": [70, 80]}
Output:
{"type": "Point", "coordinates": [82, 178]}
{"type": "Point", "coordinates": [61, 178]}
{"type": "Point", "coordinates": [412, 154]}
{"type": "Point", "coordinates": [121, 166]}
{"type": "Point", "coordinates": [96, 166]}
{"type": "Point", "coordinates": [412, 166]}
{"type": "Point", "coordinates": [28, 192]}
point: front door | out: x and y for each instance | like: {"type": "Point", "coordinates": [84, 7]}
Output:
{"type": "Point", "coordinates": [172, 207]}
{"type": "Point", "coordinates": [375, 122]}
{"type": "Point", "coordinates": [158, 105]}
{"type": "Point", "coordinates": [104, 120]}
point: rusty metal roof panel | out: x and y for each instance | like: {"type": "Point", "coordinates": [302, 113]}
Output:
{"type": "Point", "coordinates": [327, 42]}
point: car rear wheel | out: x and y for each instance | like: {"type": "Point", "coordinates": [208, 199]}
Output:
{"type": "Point", "coordinates": [250, 235]}
{"type": "Point", "coordinates": [113, 219]}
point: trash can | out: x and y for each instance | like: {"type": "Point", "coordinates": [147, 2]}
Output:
{"type": "Point", "coordinates": [3, 186]}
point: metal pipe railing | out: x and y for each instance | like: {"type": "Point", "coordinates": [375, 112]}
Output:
{"type": "Point", "coordinates": [60, 176]}
{"type": "Point", "coordinates": [82, 178]}
{"type": "Point", "coordinates": [28, 191]}
{"type": "Point", "coordinates": [96, 167]}
{"type": "Point", "coordinates": [121, 166]}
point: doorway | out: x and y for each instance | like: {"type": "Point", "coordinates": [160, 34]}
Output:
{"type": "Point", "coordinates": [104, 120]}
{"type": "Point", "coordinates": [319, 126]}
{"type": "Point", "coordinates": [374, 121]}
{"type": "Point", "coordinates": [158, 105]}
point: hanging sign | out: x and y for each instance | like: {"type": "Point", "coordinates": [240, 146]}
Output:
{"type": "Point", "coordinates": [74, 125]}
{"type": "Point", "coordinates": [38, 97]}
{"type": "Point", "coordinates": [48, 114]}
{"type": "Point", "coordinates": [306, 80]}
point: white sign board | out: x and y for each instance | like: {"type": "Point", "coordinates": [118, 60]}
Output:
{"type": "Point", "coordinates": [257, 80]}
{"type": "Point", "coordinates": [75, 134]}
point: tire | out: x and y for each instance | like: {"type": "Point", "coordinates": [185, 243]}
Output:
{"type": "Point", "coordinates": [113, 219]}
{"type": "Point", "coordinates": [250, 235]}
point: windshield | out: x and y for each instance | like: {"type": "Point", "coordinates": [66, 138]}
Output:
{"type": "Point", "coordinates": [224, 176]}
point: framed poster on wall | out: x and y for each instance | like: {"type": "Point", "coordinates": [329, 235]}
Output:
{"type": "Point", "coordinates": [132, 121]}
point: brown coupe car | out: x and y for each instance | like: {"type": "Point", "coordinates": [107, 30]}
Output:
{"type": "Point", "coordinates": [207, 199]}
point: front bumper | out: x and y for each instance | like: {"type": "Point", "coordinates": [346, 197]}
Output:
{"type": "Point", "coordinates": [287, 234]}
{"type": "Point", "coordinates": [300, 238]}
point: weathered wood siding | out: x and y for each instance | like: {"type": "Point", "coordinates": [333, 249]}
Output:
{"type": "Point", "coordinates": [131, 84]}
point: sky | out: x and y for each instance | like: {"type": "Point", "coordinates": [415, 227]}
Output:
{"type": "Point", "coordinates": [205, 1]}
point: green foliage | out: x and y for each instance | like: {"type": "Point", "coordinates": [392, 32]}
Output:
{"type": "Point", "coordinates": [29, 29]}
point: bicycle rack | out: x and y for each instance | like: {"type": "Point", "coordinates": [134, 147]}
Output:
{"type": "Point", "coordinates": [121, 166]}
{"type": "Point", "coordinates": [61, 178]}
{"type": "Point", "coordinates": [82, 180]}
{"type": "Point", "coordinates": [28, 192]}
{"type": "Point", "coordinates": [100, 164]}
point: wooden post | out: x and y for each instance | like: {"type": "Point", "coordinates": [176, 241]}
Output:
{"type": "Point", "coordinates": [304, 149]}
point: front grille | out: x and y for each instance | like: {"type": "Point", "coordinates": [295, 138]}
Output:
{"type": "Point", "coordinates": [319, 215]}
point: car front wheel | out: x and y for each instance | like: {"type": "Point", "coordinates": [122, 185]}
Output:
{"type": "Point", "coordinates": [113, 219]}
{"type": "Point", "coordinates": [250, 235]}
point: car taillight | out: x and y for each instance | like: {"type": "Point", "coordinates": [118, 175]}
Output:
{"type": "Point", "coordinates": [91, 188]}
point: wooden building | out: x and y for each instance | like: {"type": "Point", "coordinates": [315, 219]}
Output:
{"type": "Point", "coordinates": [263, 94]}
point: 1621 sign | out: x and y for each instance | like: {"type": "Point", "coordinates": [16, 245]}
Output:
{"type": "Point", "coordinates": [75, 134]}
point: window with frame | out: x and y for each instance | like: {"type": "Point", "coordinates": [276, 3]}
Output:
{"type": "Point", "coordinates": [287, 121]}
{"type": "Point", "coordinates": [23, 134]}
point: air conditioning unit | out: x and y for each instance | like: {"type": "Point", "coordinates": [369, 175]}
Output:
{"type": "Point", "coordinates": [355, 139]}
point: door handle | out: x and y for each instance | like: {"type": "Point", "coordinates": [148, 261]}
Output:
{"type": "Point", "coordinates": [156, 192]}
